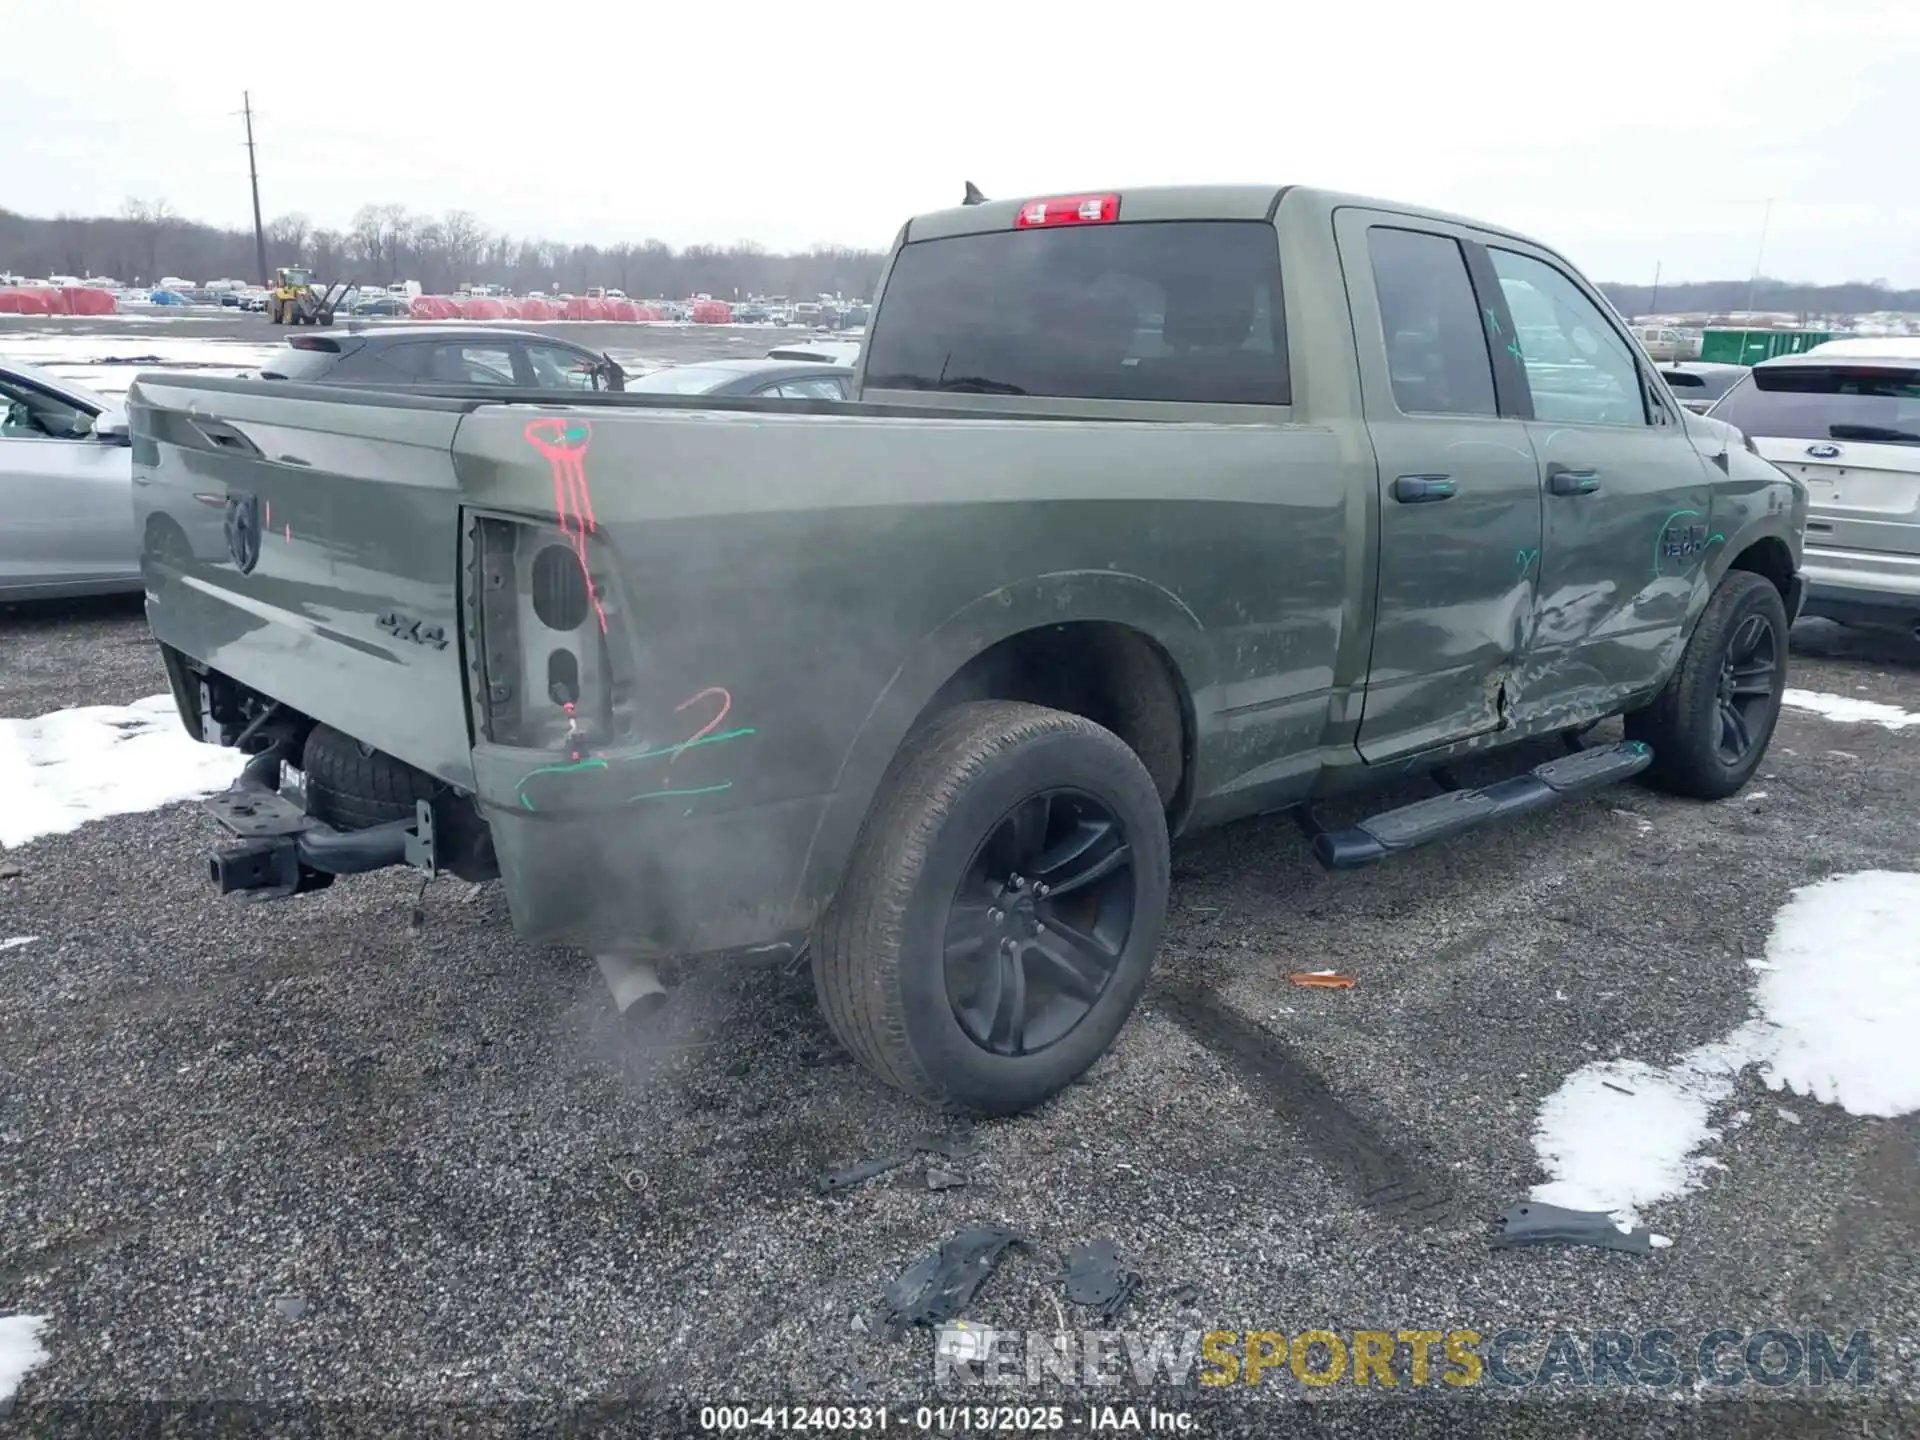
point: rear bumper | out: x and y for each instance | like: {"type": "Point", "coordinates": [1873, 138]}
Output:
{"type": "Point", "coordinates": [1871, 586]}
{"type": "Point", "coordinates": [594, 868]}
{"type": "Point", "coordinates": [1851, 585]}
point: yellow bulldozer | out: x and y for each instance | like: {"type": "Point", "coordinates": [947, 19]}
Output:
{"type": "Point", "coordinates": [294, 299]}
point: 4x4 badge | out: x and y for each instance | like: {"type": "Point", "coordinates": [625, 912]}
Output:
{"type": "Point", "coordinates": [405, 627]}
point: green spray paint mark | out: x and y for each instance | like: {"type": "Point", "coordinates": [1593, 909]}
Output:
{"type": "Point", "coordinates": [1493, 323]}
{"type": "Point", "coordinates": [605, 762]}
{"type": "Point", "coordinates": [1523, 560]}
{"type": "Point", "coordinates": [692, 790]}
{"type": "Point", "coordinates": [1513, 349]}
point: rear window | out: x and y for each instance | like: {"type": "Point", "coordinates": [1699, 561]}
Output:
{"type": "Point", "coordinates": [287, 363]}
{"type": "Point", "coordinates": [681, 380]}
{"type": "Point", "coordinates": [1183, 311]}
{"type": "Point", "coordinates": [1818, 402]}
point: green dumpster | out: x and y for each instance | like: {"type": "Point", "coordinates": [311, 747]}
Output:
{"type": "Point", "coordinates": [1750, 347]}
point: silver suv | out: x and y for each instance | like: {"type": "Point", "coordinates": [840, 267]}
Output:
{"type": "Point", "coordinates": [1844, 418]}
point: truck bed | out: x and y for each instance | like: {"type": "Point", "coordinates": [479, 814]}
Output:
{"type": "Point", "coordinates": [796, 581]}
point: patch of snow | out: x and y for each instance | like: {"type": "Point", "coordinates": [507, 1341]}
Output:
{"type": "Point", "coordinates": [20, 1350]}
{"type": "Point", "coordinates": [1837, 1003]}
{"type": "Point", "coordinates": [17, 941]}
{"type": "Point", "coordinates": [1659, 1242]}
{"type": "Point", "coordinates": [1849, 711]}
{"type": "Point", "coordinates": [63, 769]}
{"type": "Point", "coordinates": [1756, 795]}
{"type": "Point", "coordinates": [1787, 1115]}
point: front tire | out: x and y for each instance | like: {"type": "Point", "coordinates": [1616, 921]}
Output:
{"type": "Point", "coordinates": [1710, 726]}
{"type": "Point", "coordinates": [1001, 910]}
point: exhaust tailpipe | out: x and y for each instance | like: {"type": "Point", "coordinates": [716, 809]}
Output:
{"type": "Point", "coordinates": [636, 987]}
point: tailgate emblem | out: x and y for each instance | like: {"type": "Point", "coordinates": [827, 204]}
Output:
{"type": "Point", "coordinates": [405, 627]}
{"type": "Point", "coordinates": [243, 530]}
{"type": "Point", "coordinates": [1824, 452]}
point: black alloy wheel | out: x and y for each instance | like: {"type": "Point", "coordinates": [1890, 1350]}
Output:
{"type": "Point", "coordinates": [1038, 923]}
{"type": "Point", "coordinates": [1744, 697]}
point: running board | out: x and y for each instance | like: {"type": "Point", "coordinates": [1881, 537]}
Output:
{"type": "Point", "coordinates": [1379, 836]}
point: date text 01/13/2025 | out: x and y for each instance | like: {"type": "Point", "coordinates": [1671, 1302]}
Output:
{"type": "Point", "coordinates": [944, 1419]}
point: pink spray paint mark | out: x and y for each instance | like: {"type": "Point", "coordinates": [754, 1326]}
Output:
{"type": "Point", "coordinates": [563, 444]}
{"type": "Point", "coordinates": [289, 534]}
{"type": "Point", "coordinates": [712, 692]}
{"type": "Point", "coordinates": [266, 512]}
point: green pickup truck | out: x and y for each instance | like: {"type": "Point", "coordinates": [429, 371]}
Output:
{"type": "Point", "coordinates": [1153, 511]}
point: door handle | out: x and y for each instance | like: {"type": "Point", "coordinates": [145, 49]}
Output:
{"type": "Point", "coordinates": [1423, 489]}
{"type": "Point", "coordinates": [1563, 481]}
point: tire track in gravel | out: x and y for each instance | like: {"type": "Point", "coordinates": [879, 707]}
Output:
{"type": "Point", "coordinates": [1375, 1171]}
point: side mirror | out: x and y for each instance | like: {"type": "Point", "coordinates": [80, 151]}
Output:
{"type": "Point", "coordinates": [110, 428]}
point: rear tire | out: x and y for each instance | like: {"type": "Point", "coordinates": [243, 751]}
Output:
{"type": "Point", "coordinates": [901, 991]}
{"type": "Point", "coordinates": [1726, 689]}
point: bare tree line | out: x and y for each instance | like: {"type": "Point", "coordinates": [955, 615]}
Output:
{"type": "Point", "coordinates": [147, 240]}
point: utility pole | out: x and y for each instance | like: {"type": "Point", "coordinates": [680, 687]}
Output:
{"type": "Point", "coordinates": [1765, 220]}
{"type": "Point", "coordinates": [253, 174]}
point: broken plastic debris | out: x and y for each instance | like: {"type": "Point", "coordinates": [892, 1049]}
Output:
{"type": "Point", "coordinates": [936, 1288]}
{"type": "Point", "coordinates": [1186, 1294]}
{"type": "Point", "coordinates": [957, 1145]}
{"type": "Point", "coordinates": [938, 1179]}
{"type": "Point", "coordinates": [293, 1307]}
{"type": "Point", "coordinates": [1536, 1224]}
{"type": "Point", "coordinates": [1094, 1277]}
{"type": "Point", "coordinates": [1320, 980]}
{"type": "Point", "coordinates": [848, 1176]}
{"type": "Point", "coordinates": [1788, 1116]}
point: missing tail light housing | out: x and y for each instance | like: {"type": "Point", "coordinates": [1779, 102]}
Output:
{"type": "Point", "coordinates": [541, 671]}
{"type": "Point", "coordinates": [1067, 210]}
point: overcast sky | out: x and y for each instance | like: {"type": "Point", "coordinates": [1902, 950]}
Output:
{"type": "Point", "coordinates": [1628, 135]}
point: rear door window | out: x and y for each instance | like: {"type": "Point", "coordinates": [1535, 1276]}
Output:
{"type": "Point", "coordinates": [1180, 311]}
{"type": "Point", "coordinates": [457, 364]}
{"type": "Point", "coordinates": [1436, 346]}
{"type": "Point", "coordinates": [1880, 404]}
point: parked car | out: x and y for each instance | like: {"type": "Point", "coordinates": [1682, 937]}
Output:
{"type": "Point", "coordinates": [1151, 511]}
{"type": "Point", "coordinates": [1844, 419]}
{"type": "Point", "coordinates": [1664, 342]}
{"type": "Point", "coordinates": [66, 502]}
{"type": "Point", "coordinates": [788, 379]}
{"type": "Point", "coordinates": [818, 352]}
{"type": "Point", "coordinates": [1698, 384]}
{"type": "Point", "coordinates": [444, 355]}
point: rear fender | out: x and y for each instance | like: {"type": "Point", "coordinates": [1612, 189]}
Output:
{"type": "Point", "coordinates": [1057, 599]}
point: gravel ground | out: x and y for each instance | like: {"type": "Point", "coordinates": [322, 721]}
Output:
{"type": "Point", "coordinates": [481, 1192]}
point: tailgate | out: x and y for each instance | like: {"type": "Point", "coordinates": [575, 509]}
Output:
{"type": "Point", "coordinates": [305, 542]}
{"type": "Point", "coordinates": [1860, 496]}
